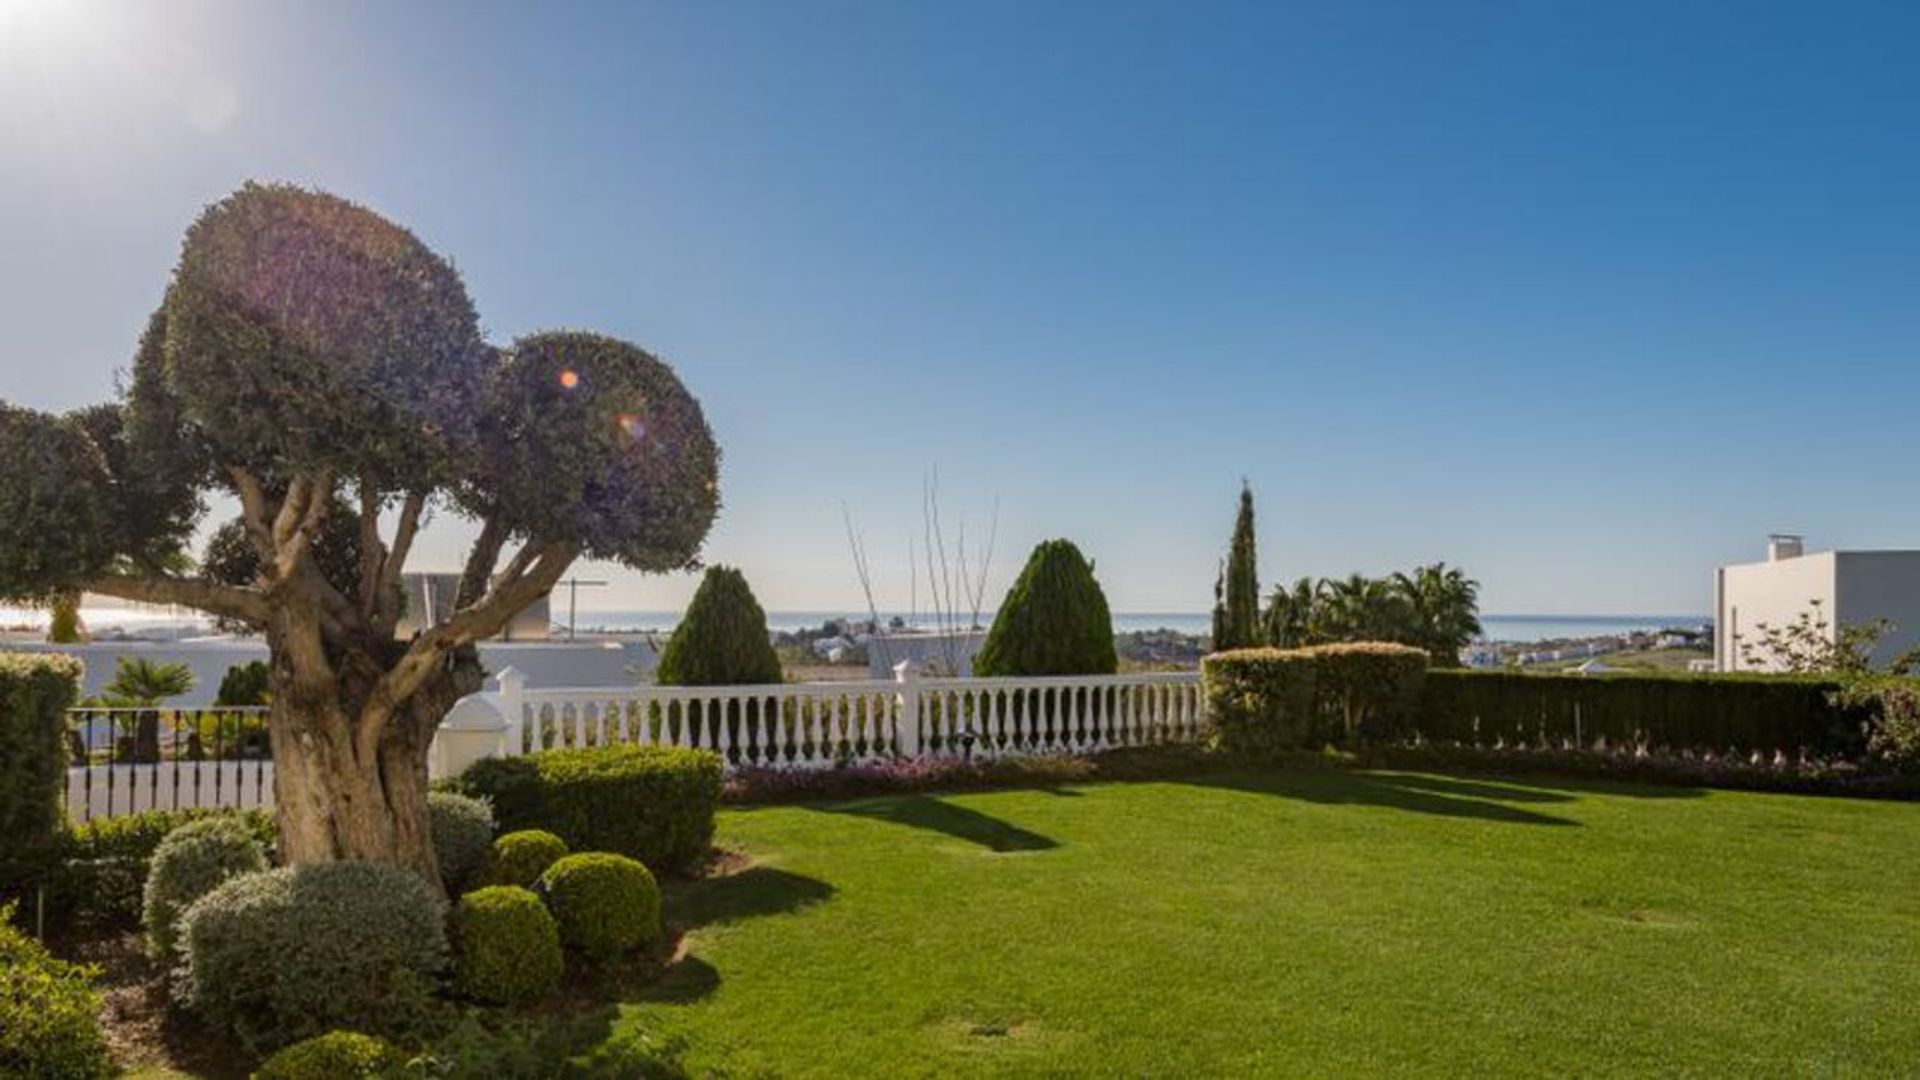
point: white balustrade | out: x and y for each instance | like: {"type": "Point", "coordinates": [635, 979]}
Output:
{"type": "Point", "coordinates": [817, 725]}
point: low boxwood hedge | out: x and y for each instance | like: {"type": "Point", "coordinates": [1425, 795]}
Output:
{"type": "Point", "coordinates": [99, 881]}
{"type": "Point", "coordinates": [190, 863]}
{"type": "Point", "coordinates": [653, 803]}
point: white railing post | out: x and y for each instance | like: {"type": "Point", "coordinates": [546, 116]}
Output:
{"type": "Point", "coordinates": [907, 728]}
{"type": "Point", "coordinates": [512, 683]}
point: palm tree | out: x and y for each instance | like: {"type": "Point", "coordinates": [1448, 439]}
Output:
{"type": "Point", "coordinates": [1360, 608]}
{"type": "Point", "coordinates": [141, 683]}
{"type": "Point", "coordinates": [1445, 607]}
{"type": "Point", "coordinates": [1288, 622]}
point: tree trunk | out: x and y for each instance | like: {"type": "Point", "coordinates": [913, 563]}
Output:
{"type": "Point", "coordinates": [342, 798]}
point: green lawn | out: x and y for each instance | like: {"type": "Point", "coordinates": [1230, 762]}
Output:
{"type": "Point", "coordinates": [1315, 924]}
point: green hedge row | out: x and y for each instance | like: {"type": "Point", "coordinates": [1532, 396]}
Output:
{"type": "Point", "coordinates": [1697, 712]}
{"type": "Point", "coordinates": [1267, 700]}
{"type": "Point", "coordinates": [36, 689]}
{"type": "Point", "coordinates": [653, 803]}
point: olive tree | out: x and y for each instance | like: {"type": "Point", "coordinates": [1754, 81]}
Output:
{"type": "Point", "coordinates": [324, 369]}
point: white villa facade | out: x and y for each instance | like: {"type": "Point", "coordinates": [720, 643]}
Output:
{"type": "Point", "coordinates": [1843, 588]}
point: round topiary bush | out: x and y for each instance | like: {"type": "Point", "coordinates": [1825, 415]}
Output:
{"type": "Point", "coordinates": [462, 837]}
{"type": "Point", "coordinates": [519, 858]}
{"type": "Point", "coordinates": [722, 640]}
{"type": "Point", "coordinates": [286, 954]}
{"type": "Point", "coordinates": [191, 862]}
{"type": "Point", "coordinates": [506, 946]}
{"type": "Point", "coordinates": [605, 904]}
{"type": "Point", "coordinates": [1054, 620]}
{"type": "Point", "coordinates": [337, 1055]}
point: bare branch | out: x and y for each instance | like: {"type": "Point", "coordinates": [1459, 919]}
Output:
{"type": "Point", "coordinates": [481, 560]}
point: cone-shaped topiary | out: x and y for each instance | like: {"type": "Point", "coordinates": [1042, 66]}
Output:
{"type": "Point", "coordinates": [722, 640]}
{"type": "Point", "coordinates": [1054, 621]}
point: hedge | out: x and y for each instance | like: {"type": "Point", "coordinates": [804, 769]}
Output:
{"type": "Point", "coordinates": [1763, 713]}
{"type": "Point", "coordinates": [35, 692]}
{"type": "Point", "coordinates": [654, 803]}
{"type": "Point", "coordinates": [102, 866]}
{"type": "Point", "coordinates": [1267, 700]}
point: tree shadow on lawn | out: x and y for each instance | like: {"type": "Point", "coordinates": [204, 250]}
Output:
{"type": "Point", "coordinates": [938, 815]}
{"type": "Point", "coordinates": [755, 891]}
{"type": "Point", "coordinates": [1418, 794]}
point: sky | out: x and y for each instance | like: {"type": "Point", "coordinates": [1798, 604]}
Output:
{"type": "Point", "coordinates": [1585, 298]}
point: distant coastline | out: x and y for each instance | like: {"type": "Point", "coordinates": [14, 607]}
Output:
{"type": "Point", "coordinates": [1499, 628]}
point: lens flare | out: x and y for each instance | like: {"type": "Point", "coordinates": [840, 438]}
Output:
{"type": "Point", "coordinates": [634, 426]}
{"type": "Point", "coordinates": [569, 378]}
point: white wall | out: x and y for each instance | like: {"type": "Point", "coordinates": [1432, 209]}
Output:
{"type": "Point", "coordinates": [1882, 585]}
{"type": "Point", "coordinates": [620, 662]}
{"type": "Point", "coordinates": [1775, 593]}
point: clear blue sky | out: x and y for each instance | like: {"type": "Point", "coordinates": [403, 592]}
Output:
{"type": "Point", "coordinates": [1585, 298]}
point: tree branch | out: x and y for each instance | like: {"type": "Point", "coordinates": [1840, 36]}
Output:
{"type": "Point", "coordinates": [372, 552]}
{"type": "Point", "coordinates": [387, 586]}
{"type": "Point", "coordinates": [253, 511]}
{"type": "Point", "coordinates": [480, 563]}
{"type": "Point", "coordinates": [231, 601]}
{"type": "Point", "coordinates": [467, 626]}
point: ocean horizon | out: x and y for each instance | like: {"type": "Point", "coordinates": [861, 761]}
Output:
{"type": "Point", "coordinates": [1503, 628]}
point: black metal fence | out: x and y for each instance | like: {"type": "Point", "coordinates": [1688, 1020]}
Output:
{"type": "Point", "coordinates": [123, 760]}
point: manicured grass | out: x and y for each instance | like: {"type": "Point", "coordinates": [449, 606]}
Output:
{"type": "Point", "coordinates": [1305, 923]}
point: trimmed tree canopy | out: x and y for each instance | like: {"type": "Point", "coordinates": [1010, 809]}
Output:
{"type": "Point", "coordinates": [593, 439]}
{"type": "Point", "coordinates": [1054, 621]}
{"type": "Point", "coordinates": [322, 366]}
{"type": "Point", "coordinates": [722, 640]}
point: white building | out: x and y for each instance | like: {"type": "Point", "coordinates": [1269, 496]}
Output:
{"type": "Point", "coordinates": [1840, 588]}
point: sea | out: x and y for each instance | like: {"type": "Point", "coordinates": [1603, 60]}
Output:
{"type": "Point", "coordinates": [1504, 628]}
{"type": "Point", "coordinates": [1507, 628]}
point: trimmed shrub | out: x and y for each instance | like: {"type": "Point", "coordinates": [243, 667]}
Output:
{"type": "Point", "coordinates": [36, 690]}
{"type": "Point", "coordinates": [654, 803]}
{"type": "Point", "coordinates": [190, 863]}
{"type": "Point", "coordinates": [1268, 700]}
{"type": "Point", "coordinates": [1743, 712]}
{"type": "Point", "coordinates": [337, 1055]}
{"type": "Point", "coordinates": [287, 954]}
{"type": "Point", "coordinates": [1262, 701]}
{"type": "Point", "coordinates": [506, 946]}
{"type": "Point", "coordinates": [722, 640]}
{"type": "Point", "coordinates": [519, 858]}
{"type": "Point", "coordinates": [1054, 620]}
{"type": "Point", "coordinates": [1370, 688]}
{"type": "Point", "coordinates": [49, 1012]}
{"type": "Point", "coordinates": [605, 904]}
{"type": "Point", "coordinates": [462, 837]}
{"type": "Point", "coordinates": [101, 879]}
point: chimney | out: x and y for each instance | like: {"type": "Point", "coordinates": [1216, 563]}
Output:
{"type": "Point", "coordinates": [1784, 546]}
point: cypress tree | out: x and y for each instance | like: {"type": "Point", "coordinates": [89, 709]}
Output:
{"type": "Point", "coordinates": [722, 640]}
{"type": "Point", "coordinates": [1054, 620]}
{"type": "Point", "coordinates": [1241, 626]}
